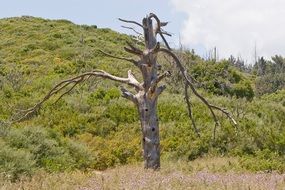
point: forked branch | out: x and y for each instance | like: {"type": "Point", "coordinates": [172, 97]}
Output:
{"type": "Point", "coordinates": [158, 23]}
{"type": "Point", "coordinates": [131, 81]}
{"type": "Point", "coordinates": [228, 114]}
{"type": "Point", "coordinates": [158, 29]}
{"type": "Point", "coordinates": [189, 82]}
{"type": "Point", "coordinates": [70, 89]}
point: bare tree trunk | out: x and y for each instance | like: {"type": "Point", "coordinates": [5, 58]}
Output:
{"type": "Point", "coordinates": [150, 131]}
{"type": "Point", "coordinates": [147, 100]}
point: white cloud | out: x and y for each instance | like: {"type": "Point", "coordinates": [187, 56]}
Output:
{"type": "Point", "coordinates": [234, 26]}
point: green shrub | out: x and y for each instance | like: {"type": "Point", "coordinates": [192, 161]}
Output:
{"type": "Point", "coordinates": [46, 150]}
{"type": "Point", "coordinates": [102, 95]}
{"type": "Point", "coordinates": [222, 79]}
{"type": "Point", "coordinates": [121, 112]}
{"type": "Point", "coordinates": [15, 162]}
{"type": "Point", "coordinates": [80, 154]}
{"type": "Point", "coordinates": [243, 89]}
{"type": "Point", "coordinates": [263, 161]}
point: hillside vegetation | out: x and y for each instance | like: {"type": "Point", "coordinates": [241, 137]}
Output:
{"type": "Point", "coordinates": [93, 127]}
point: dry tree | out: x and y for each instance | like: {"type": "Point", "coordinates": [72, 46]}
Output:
{"type": "Point", "coordinates": [147, 91]}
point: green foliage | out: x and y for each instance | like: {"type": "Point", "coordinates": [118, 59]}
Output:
{"type": "Point", "coordinates": [222, 79]}
{"type": "Point", "coordinates": [40, 148]}
{"type": "Point", "coordinates": [270, 83]}
{"type": "Point", "coordinates": [264, 160]}
{"type": "Point", "coordinates": [81, 155]}
{"type": "Point", "coordinates": [271, 75]}
{"type": "Point", "coordinates": [122, 112]}
{"type": "Point", "coordinates": [243, 89]}
{"type": "Point", "coordinates": [93, 127]}
{"type": "Point", "coordinates": [105, 95]}
{"type": "Point", "coordinates": [15, 162]}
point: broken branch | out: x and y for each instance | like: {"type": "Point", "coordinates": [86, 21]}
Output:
{"type": "Point", "coordinates": [131, 28]}
{"type": "Point", "coordinates": [190, 110]}
{"type": "Point", "coordinates": [159, 90]}
{"type": "Point", "coordinates": [164, 40]}
{"type": "Point", "coordinates": [121, 58]}
{"type": "Point", "coordinates": [155, 49]}
{"type": "Point", "coordinates": [130, 21]}
{"type": "Point", "coordinates": [72, 87]}
{"type": "Point", "coordinates": [128, 95]}
{"type": "Point", "coordinates": [133, 49]}
{"type": "Point", "coordinates": [159, 78]}
{"type": "Point", "coordinates": [165, 33]}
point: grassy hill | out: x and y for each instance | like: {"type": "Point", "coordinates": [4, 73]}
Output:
{"type": "Point", "coordinates": [94, 128]}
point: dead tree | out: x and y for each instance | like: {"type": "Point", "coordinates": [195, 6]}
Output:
{"type": "Point", "coordinates": [147, 91]}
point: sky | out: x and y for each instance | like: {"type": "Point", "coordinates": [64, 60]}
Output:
{"type": "Point", "coordinates": [234, 27]}
{"type": "Point", "coordinates": [103, 13]}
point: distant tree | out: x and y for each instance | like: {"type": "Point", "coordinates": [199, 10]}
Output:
{"type": "Point", "coordinates": [146, 92]}
{"type": "Point", "coordinates": [269, 83]}
{"type": "Point", "coordinates": [271, 75]}
{"type": "Point", "coordinates": [261, 66]}
{"type": "Point", "coordinates": [279, 61]}
{"type": "Point", "coordinates": [239, 64]}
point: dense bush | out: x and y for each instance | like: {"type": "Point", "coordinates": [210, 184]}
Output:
{"type": "Point", "coordinates": [269, 83]}
{"type": "Point", "coordinates": [15, 162]}
{"type": "Point", "coordinates": [222, 79]}
{"type": "Point", "coordinates": [47, 149]}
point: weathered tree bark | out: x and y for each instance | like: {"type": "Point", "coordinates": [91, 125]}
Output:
{"type": "Point", "coordinates": [147, 98]}
{"type": "Point", "coordinates": [147, 108]}
{"type": "Point", "coordinates": [147, 92]}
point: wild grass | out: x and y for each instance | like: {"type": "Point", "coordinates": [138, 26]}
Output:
{"type": "Point", "coordinates": [48, 181]}
{"type": "Point", "coordinates": [203, 173]}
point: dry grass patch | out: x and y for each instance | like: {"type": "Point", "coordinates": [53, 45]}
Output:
{"type": "Point", "coordinates": [45, 181]}
{"type": "Point", "coordinates": [204, 173]}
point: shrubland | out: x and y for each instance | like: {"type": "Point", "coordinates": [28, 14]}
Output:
{"type": "Point", "coordinates": [93, 127]}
